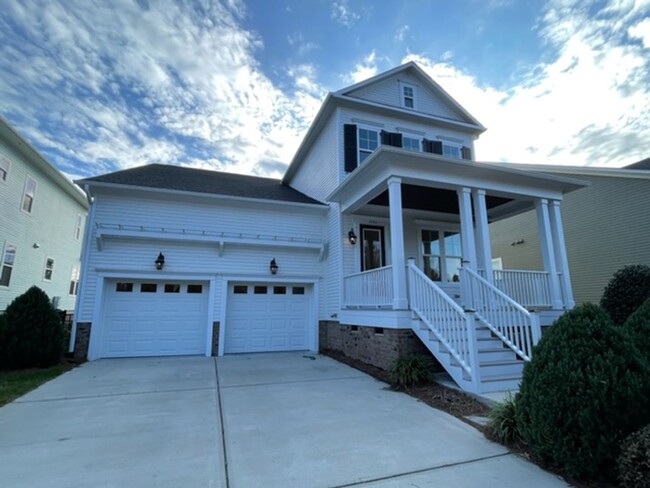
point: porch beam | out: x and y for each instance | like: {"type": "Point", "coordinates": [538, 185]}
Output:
{"type": "Point", "coordinates": [483, 250]}
{"type": "Point", "coordinates": [561, 259]}
{"type": "Point", "coordinates": [548, 253]}
{"type": "Point", "coordinates": [467, 227]}
{"type": "Point", "coordinates": [400, 302]}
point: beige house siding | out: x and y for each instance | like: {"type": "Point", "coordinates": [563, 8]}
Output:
{"type": "Point", "coordinates": [606, 225]}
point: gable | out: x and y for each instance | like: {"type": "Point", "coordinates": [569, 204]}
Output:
{"type": "Point", "coordinates": [388, 91]}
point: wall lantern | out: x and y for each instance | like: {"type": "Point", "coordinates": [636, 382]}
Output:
{"type": "Point", "coordinates": [352, 237]}
{"type": "Point", "coordinates": [160, 261]}
{"type": "Point", "coordinates": [273, 266]}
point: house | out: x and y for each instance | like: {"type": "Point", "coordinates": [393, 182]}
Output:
{"type": "Point", "coordinates": [375, 242]}
{"type": "Point", "coordinates": [42, 218]}
{"type": "Point", "coordinates": [606, 227]}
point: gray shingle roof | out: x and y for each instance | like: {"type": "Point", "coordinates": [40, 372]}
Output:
{"type": "Point", "coordinates": [168, 177]}
{"type": "Point", "coordinates": [645, 164]}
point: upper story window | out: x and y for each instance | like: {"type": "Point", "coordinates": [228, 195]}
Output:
{"type": "Point", "coordinates": [411, 143]}
{"type": "Point", "coordinates": [8, 259]}
{"type": "Point", "coordinates": [29, 194]}
{"type": "Point", "coordinates": [368, 142]}
{"type": "Point", "coordinates": [408, 94]}
{"type": "Point", "coordinates": [49, 269]}
{"type": "Point", "coordinates": [74, 280]}
{"type": "Point", "coordinates": [5, 164]}
{"type": "Point", "coordinates": [77, 228]}
{"type": "Point", "coordinates": [451, 150]}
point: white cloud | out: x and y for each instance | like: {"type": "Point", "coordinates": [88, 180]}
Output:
{"type": "Point", "coordinates": [589, 104]}
{"type": "Point", "coordinates": [401, 32]}
{"type": "Point", "coordinates": [641, 31]}
{"type": "Point", "coordinates": [343, 14]}
{"type": "Point", "coordinates": [367, 68]}
{"type": "Point", "coordinates": [298, 41]}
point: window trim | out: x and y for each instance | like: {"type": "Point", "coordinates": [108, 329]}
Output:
{"type": "Point", "coordinates": [5, 159]}
{"type": "Point", "coordinates": [3, 264]}
{"type": "Point", "coordinates": [403, 96]}
{"type": "Point", "coordinates": [78, 226]}
{"type": "Point", "coordinates": [51, 269]}
{"type": "Point", "coordinates": [377, 131]}
{"type": "Point", "coordinates": [28, 177]}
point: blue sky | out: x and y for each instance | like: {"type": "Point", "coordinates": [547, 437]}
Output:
{"type": "Point", "coordinates": [233, 85]}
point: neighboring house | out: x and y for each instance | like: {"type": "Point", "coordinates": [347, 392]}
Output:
{"type": "Point", "coordinates": [185, 261]}
{"type": "Point", "coordinates": [42, 218]}
{"type": "Point", "coordinates": [606, 226]}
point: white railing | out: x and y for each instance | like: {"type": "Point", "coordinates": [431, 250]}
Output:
{"type": "Point", "coordinates": [508, 320]}
{"type": "Point", "coordinates": [373, 288]}
{"type": "Point", "coordinates": [444, 317]}
{"type": "Point", "coordinates": [528, 288]}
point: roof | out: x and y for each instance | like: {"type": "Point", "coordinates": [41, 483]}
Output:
{"type": "Point", "coordinates": [177, 178]}
{"type": "Point", "coordinates": [631, 171]}
{"type": "Point", "coordinates": [32, 156]}
{"type": "Point", "coordinates": [645, 164]}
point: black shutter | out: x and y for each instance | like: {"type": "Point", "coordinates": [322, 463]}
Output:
{"type": "Point", "coordinates": [384, 138]}
{"type": "Point", "coordinates": [436, 147]}
{"type": "Point", "coordinates": [426, 146]}
{"type": "Point", "coordinates": [465, 152]}
{"type": "Point", "coordinates": [350, 154]}
{"type": "Point", "coordinates": [390, 138]}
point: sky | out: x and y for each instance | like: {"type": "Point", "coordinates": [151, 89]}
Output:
{"type": "Point", "coordinates": [233, 85]}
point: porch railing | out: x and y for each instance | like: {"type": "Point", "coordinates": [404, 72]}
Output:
{"type": "Point", "coordinates": [372, 288]}
{"type": "Point", "coordinates": [444, 317]}
{"type": "Point", "coordinates": [528, 288]}
{"type": "Point", "coordinates": [508, 320]}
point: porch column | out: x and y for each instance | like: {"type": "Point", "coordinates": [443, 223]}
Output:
{"type": "Point", "coordinates": [398, 261]}
{"type": "Point", "coordinates": [548, 254]}
{"type": "Point", "coordinates": [467, 227]}
{"type": "Point", "coordinates": [483, 250]}
{"type": "Point", "coordinates": [561, 260]}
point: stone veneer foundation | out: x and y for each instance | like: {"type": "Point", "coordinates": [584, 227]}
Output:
{"type": "Point", "coordinates": [373, 345]}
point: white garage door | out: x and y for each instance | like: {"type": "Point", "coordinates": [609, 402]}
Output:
{"type": "Point", "coordinates": [267, 317]}
{"type": "Point", "coordinates": [148, 318]}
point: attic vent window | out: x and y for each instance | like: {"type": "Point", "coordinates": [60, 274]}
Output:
{"type": "Point", "coordinates": [408, 95]}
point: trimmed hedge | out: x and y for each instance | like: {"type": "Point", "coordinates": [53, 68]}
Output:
{"type": "Point", "coordinates": [634, 461]}
{"type": "Point", "coordinates": [583, 392]}
{"type": "Point", "coordinates": [638, 326]}
{"type": "Point", "coordinates": [626, 291]}
{"type": "Point", "coordinates": [31, 334]}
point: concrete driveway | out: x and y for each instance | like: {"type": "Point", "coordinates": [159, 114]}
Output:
{"type": "Point", "coordinates": [265, 420]}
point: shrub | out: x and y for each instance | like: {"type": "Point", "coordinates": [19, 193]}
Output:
{"type": "Point", "coordinates": [634, 461]}
{"type": "Point", "coordinates": [33, 334]}
{"type": "Point", "coordinates": [503, 421]}
{"type": "Point", "coordinates": [626, 291]}
{"type": "Point", "coordinates": [638, 326]}
{"type": "Point", "coordinates": [410, 370]}
{"type": "Point", "coordinates": [583, 392]}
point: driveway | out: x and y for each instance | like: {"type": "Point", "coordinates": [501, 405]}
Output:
{"type": "Point", "coordinates": [264, 420]}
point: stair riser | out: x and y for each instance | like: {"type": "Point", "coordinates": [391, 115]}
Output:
{"type": "Point", "coordinates": [501, 369]}
{"type": "Point", "coordinates": [508, 385]}
{"type": "Point", "coordinates": [505, 355]}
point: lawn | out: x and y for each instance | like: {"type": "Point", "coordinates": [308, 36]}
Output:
{"type": "Point", "coordinates": [16, 383]}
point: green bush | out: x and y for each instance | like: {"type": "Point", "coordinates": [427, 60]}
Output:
{"type": "Point", "coordinates": [32, 334]}
{"type": "Point", "coordinates": [626, 291]}
{"type": "Point", "coordinates": [583, 392]}
{"type": "Point", "coordinates": [634, 461]}
{"type": "Point", "coordinates": [410, 370]}
{"type": "Point", "coordinates": [638, 326]}
{"type": "Point", "coordinates": [503, 421]}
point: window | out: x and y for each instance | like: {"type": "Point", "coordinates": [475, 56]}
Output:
{"type": "Point", "coordinates": [172, 288]}
{"type": "Point", "coordinates": [368, 142]}
{"type": "Point", "coordinates": [240, 289]}
{"type": "Point", "coordinates": [194, 288]}
{"type": "Point", "coordinates": [260, 290]}
{"type": "Point", "coordinates": [298, 290]}
{"type": "Point", "coordinates": [29, 194]}
{"type": "Point", "coordinates": [49, 269]}
{"type": "Point", "coordinates": [451, 150]}
{"type": "Point", "coordinates": [372, 247]}
{"type": "Point", "coordinates": [77, 228]}
{"type": "Point", "coordinates": [74, 280]}
{"type": "Point", "coordinates": [148, 288]}
{"type": "Point", "coordinates": [7, 265]}
{"type": "Point", "coordinates": [123, 287]}
{"type": "Point", "coordinates": [441, 253]}
{"type": "Point", "coordinates": [4, 167]}
{"type": "Point", "coordinates": [411, 143]}
{"type": "Point", "coordinates": [408, 95]}
{"type": "Point", "coordinates": [279, 290]}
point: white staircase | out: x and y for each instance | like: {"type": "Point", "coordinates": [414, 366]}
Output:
{"type": "Point", "coordinates": [482, 348]}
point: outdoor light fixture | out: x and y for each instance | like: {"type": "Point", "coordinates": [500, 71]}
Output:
{"type": "Point", "coordinates": [273, 266]}
{"type": "Point", "coordinates": [352, 237]}
{"type": "Point", "coordinates": [160, 261]}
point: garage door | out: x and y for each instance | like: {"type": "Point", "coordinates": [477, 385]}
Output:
{"type": "Point", "coordinates": [148, 318]}
{"type": "Point", "coordinates": [267, 317]}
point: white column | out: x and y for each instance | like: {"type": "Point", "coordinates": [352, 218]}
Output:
{"type": "Point", "coordinates": [467, 227]}
{"type": "Point", "coordinates": [483, 249]}
{"type": "Point", "coordinates": [400, 301]}
{"type": "Point", "coordinates": [548, 254]}
{"type": "Point", "coordinates": [561, 260]}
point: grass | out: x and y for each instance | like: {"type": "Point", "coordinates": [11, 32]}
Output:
{"type": "Point", "coordinates": [16, 383]}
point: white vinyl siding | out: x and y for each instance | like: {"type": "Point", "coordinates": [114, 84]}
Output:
{"type": "Point", "coordinates": [77, 227]}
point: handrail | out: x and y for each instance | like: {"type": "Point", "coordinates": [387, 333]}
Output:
{"type": "Point", "coordinates": [445, 318]}
{"type": "Point", "coordinates": [507, 319]}
{"type": "Point", "coordinates": [371, 288]}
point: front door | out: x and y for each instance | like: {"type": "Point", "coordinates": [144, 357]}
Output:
{"type": "Point", "coordinates": [372, 247]}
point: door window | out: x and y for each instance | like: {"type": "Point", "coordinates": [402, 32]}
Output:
{"type": "Point", "coordinates": [372, 247]}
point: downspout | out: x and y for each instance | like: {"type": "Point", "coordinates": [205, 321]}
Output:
{"type": "Point", "coordinates": [90, 220]}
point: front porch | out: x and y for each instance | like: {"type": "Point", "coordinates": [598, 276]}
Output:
{"type": "Point", "coordinates": [438, 211]}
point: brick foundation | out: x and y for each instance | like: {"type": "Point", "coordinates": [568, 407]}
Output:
{"type": "Point", "coordinates": [215, 338]}
{"type": "Point", "coordinates": [81, 341]}
{"type": "Point", "coordinates": [373, 345]}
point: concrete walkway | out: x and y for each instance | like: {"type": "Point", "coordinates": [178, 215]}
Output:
{"type": "Point", "coordinates": [288, 421]}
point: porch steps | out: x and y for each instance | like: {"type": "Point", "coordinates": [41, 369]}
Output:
{"type": "Point", "coordinates": [499, 367]}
